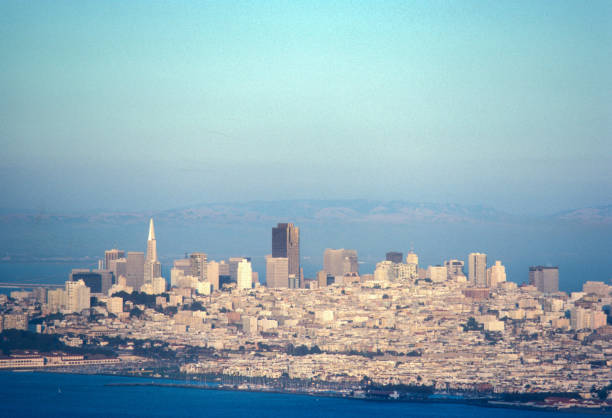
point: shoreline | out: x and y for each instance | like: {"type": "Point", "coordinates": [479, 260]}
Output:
{"type": "Point", "coordinates": [483, 403]}
{"type": "Point", "coordinates": [409, 397]}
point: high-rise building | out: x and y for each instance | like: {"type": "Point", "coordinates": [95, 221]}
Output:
{"type": "Point", "coordinates": [198, 265]}
{"type": "Point", "coordinates": [546, 279]}
{"type": "Point", "coordinates": [233, 267]}
{"type": "Point", "coordinates": [598, 288]}
{"type": "Point", "coordinates": [477, 269]}
{"type": "Point", "coordinates": [152, 266]}
{"type": "Point", "coordinates": [581, 318]}
{"type": "Point", "coordinates": [110, 255]}
{"type": "Point", "coordinates": [394, 257]}
{"type": "Point", "coordinates": [135, 269]}
{"type": "Point", "coordinates": [437, 274]}
{"type": "Point", "coordinates": [223, 268]}
{"type": "Point", "coordinates": [180, 268]}
{"type": "Point", "coordinates": [286, 243]}
{"type": "Point", "coordinates": [388, 270]}
{"type": "Point", "coordinates": [384, 271]}
{"type": "Point", "coordinates": [98, 281]}
{"type": "Point", "coordinates": [244, 275]}
{"type": "Point", "coordinates": [340, 262]}
{"type": "Point", "coordinates": [40, 294]}
{"type": "Point", "coordinates": [412, 258]}
{"type": "Point", "coordinates": [454, 268]}
{"type": "Point", "coordinates": [496, 274]}
{"type": "Point", "coordinates": [118, 267]}
{"type": "Point", "coordinates": [77, 296]}
{"type": "Point", "coordinates": [277, 271]}
{"type": "Point", "coordinates": [56, 299]}
{"type": "Point", "coordinates": [212, 274]}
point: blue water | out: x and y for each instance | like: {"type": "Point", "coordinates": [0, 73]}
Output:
{"type": "Point", "coordinates": [37, 395]}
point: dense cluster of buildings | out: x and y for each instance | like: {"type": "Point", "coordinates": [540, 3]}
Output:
{"type": "Point", "coordinates": [403, 324]}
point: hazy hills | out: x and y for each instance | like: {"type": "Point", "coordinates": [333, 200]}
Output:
{"type": "Point", "coordinates": [323, 211]}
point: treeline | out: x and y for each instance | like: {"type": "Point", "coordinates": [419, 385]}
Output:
{"type": "Point", "coordinates": [15, 339]}
{"type": "Point", "coordinates": [155, 349]}
{"type": "Point", "coordinates": [140, 298]}
{"type": "Point", "coordinates": [303, 350]}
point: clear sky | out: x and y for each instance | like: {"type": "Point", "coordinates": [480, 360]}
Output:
{"type": "Point", "coordinates": [135, 105]}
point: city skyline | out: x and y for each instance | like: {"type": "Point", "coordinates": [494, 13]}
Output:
{"type": "Point", "coordinates": [336, 263]}
{"type": "Point", "coordinates": [401, 333]}
{"type": "Point", "coordinates": [401, 202]}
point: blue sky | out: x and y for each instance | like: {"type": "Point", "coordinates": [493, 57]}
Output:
{"type": "Point", "coordinates": [136, 105]}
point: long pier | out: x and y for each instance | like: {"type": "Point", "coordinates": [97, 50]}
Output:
{"type": "Point", "coordinates": [9, 285]}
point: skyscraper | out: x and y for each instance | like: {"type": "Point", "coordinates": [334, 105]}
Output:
{"type": "Point", "coordinates": [412, 258]}
{"type": "Point", "coordinates": [546, 279]}
{"type": "Point", "coordinates": [233, 267]}
{"type": "Point", "coordinates": [496, 274]}
{"type": "Point", "coordinates": [77, 296]}
{"type": "Point", "coordinates": [454, 268]}
{"type": "Point", "coordinates": [110, 255]}
{"type": "Point", "coordinates": [437, 274]}
{"type": "Point", "coordinates": [98, 281]}
{"type": "Point", "coordinates": [180, 268]}
{"type": "Point", "coordinates": [277, 271]}
{"type": "Point", "coordinates": [395, 257]}
{"type": "Point", "coordinates": [118, 267]}
{"type": "Point", "coordinates": [212, 274]}
{"type": "Point", "coordinates": [245, 275]}
{"type": "Point", "coordinates": [340, 262]}
{"type": "Point", "coordinates": [286, 243]}
{"type": "Point", "coordinates": [198, 265]}
{"type": "Point", "coordinates": [152, 266]}
{"type": "Point", "coordinates": [135, 269]}
{"type": "Point", "coordinates": [477, 269]}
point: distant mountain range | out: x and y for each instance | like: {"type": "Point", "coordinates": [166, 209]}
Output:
{"type": "Point", "coordinates": [321, 211]}
{"type": "Point", "coordinates": [596, 215]}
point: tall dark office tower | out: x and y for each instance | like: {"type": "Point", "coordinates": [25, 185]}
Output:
{"type": "Point", "coordinates": [98, 281]}
{"type": "Point", "coordinates": [395, 257]}
{"type": "Point", "coordinates": [286, 243]}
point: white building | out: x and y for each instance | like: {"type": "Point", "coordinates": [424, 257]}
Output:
{"type": "Point", "coordinates": [412, 258]}
{"type": "Point", "coordinates": [152, 266]}
{"type": "Point", "coordinates": [77, 296]}
{"type": "Point", "coordinates": [114, 305]}
{"type": "Point", "coordinates": [159, 285]}
{"type": "Point", "coordinates": [437, 274]}
{"type": "Point", "coordinates": [244, 275]}
{"type": "Point", "coordinates": [384, 271]}
{"type": "Point", "coordinates": [496, 274]}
